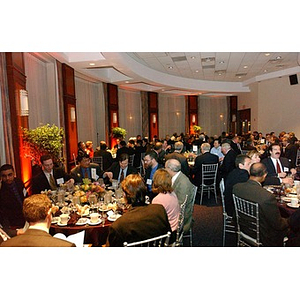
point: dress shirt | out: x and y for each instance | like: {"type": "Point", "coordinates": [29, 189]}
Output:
{"type": "Point", "coordinates": [217, 151]}
{"type": "Point", "coordinates": [175, 177]}
{"type": "Point", "coordinates": [153, 170]}
{"type": "Point", "coordinates": [274, 161]}
{"type": "Point", "coordinates": [124, 172]}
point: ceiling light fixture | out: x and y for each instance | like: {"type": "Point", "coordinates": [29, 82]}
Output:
{"type": "Point", "coordinates": [170, 67]}
{"type": "Point", "coordinates": [245, 67]}
{"type": "Point", "coordinates": [92, 64]}
{"type": "Point", "coordinates": [193, 57]}
{"type": "Point", "coordinates": [222, 62]}
{"type": "Point", "coordinates": [197, 71]}
{"type": "Point", "coordinates": [278, 57]}
{"type": "Point", "coordinates": [267, 54]}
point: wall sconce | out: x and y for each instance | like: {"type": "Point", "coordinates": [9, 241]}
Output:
{"type": "Point", "coordinates": [154, 119]}
{"type": "Point", "coordinates": [72, 114]}
{"type": "Point", "coordinates": [114, 117]}
{"type": "Point", "coordinates": [24, 112]}
{"type": "Point", "coordinates": [193, 119]}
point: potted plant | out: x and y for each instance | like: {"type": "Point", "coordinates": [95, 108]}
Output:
{"type": "Point", "coordinates": [42, 140]}
{"type": "Point", "coordinates": [118, 132]}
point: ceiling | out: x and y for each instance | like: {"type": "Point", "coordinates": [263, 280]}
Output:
{"type": "Point", "coordinates": [183, 73]}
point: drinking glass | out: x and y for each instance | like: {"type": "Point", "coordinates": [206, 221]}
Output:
{"type": "Point", "coordinates": [93, 201]}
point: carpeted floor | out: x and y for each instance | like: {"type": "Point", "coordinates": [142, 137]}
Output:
{"type": "Point", "coordinates": [208, 224]}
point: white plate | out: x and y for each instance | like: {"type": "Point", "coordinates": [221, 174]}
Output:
{"type": "Point", "coordinates": [286, 199]}
{"type": "Point", "coordinates": [290, 205]}
{"type": "Point", "coordinates": [54, 220]}
{"type": "Point", "coordinates": [113, 218]}
{"type": "Point", "coordinates": [82, 221]}
{"type": "Point", "coordinates": [95, 223]}
{"type": "Point", "coordinates": [60, 224]}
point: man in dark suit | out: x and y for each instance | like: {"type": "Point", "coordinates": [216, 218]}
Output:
{"type": "Point", "coordinates": [120, 169]}
{"type": "Point", "coordinates": [272, 227]}
{"type": "Point", "coordinates": [151, 166]}
{"type": "Point", "coordinates": [50, 178]}
{"type": "Point", "coordinates": [239, 174]}
{"type": "Point", "coordinates": [228, 163]}
{"type": "Point", "coordinates": [289, 150]}
{"type": "Point", "coordinates": [277, 167]}
{"type": "Point", "coordinates": [235, 145]}
{"type": "Point", "coordinates": [141, 221]}
{"type": "Point", "coordinates": [177, 154]}
{"type": "Point", "coordinates": [124, 149]}
{"type": "Point", "coordinates": [86, 169]}
{"type": "Point", "coordinates": [106, 155]}
{"type": "Point", "coordinates": [203, 159]}
{"type": "Point", "coordinates": [37, 212]}
{"type": "Point", "coordinates": [12, 194]}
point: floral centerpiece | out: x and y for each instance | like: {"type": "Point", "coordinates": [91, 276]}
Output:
{"type": "Point", "coordinates": [197, 129]}
{"type": "Point", "coordinates": [118, 132]}
{"type": "Point", "coordinates": [87, 188]}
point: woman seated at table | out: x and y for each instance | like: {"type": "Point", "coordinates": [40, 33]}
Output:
{"type": "Point", "coordinates": [141, 221]}
{"type": "Point", "coordinates": [162, 185]}
{"type": "Point", "coordinates": [254, 155]}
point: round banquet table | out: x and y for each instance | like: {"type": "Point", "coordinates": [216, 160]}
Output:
{"type": "Point", "coordinates": [94, 234]}
{"type": "Point", "coordinates": [285, 211]}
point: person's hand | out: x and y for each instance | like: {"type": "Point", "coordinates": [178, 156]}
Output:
{"type": "Point", "coordinates": [282, 175]}
{"type": "Point", "coordinates": [288, 180]}
{"type": "Point", "coordinates": [20, 231]}
{"type": "Point", "coordinates": [109, 175]}
{"type": "Point", "coordinates": [293, 171]}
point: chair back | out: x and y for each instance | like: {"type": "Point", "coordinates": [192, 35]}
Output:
{"type": "Point", "coordinates": [131, 159]}
{"type": "Point", "coordinates": [298, 158]}
{"type": "Point", "coordinates": [159, 241]}
{"type": "Point", "coordinates": [98, 160]}
{"type": "Point", "coordinates": [222, 190]}
{"type": "Point", "coordinates": [179, 232]}
{"type": "Point", "coordinates": [209, 173]}
{"type": "Point", "coordinates": [247, 214]}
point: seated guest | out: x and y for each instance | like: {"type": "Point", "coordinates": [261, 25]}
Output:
{"type": "Point", "coordinates": [239, 174]}
{"type": "Point", "coordinates": [37, 212]}
{"type": "Point", "coordinates": [86, 169]}
{"type": "Point", "coordinates": [158, 148]}
{"type": "Point", "coordinates": [254, 156]}
{"type": "Point", "coordinates": [177, 154]}
{"type": "Point", "coordinates": [272, 227]}
{"type": "Point", "coordinates": [106, 155]}
{"type": "Point", "coordinates": [289, 150]}
{"type": "Point", "coordinates": [182, 187]}
{"type": "Point", "coordinates": [124, 149]}
{"type": "Point", "coordinates": [120, 169]}
{"type": "Point", "coordinates": [141, 221]}
{"type": "Point", "coordinates": [162, 186]}
{"type": "Point", "coordinates": [277, 167]}
{"type": "Point", "coordinates": [294, 234]}
{"type": "Point", "coordinates": [12, 194]}
{"type": "Point", "coordinates": [228, 163]}
{"type": "Point", "coordinates": [235, 144]}
{"type": "Point", "coordinates": [5, 231]}
{"type": "Point", "coordinates": [151, 166]}
{"type": "Point", "coordinates": [203, 159]}
{"type": "Point", "coordinates": [81, 149]}
{"type": "Point", "coordinates": [89, 148]}
{"type": "Point", "coordinates": [50, 178]}
{"type": "Point", "coordinates": [216, 149]}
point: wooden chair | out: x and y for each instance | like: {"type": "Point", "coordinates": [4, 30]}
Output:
{"type": "Point", "coordinates": [159, 241]}
{"type": "Point", "coordinates": [228, 225]}
{"type": "Point", "coordinates": [247, 215]}
{"type": "Point", "coordinates": [209, 180]}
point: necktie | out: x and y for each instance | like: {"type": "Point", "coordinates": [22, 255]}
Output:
{"type": "Point", "coordinates": [278, 167]}
{"type": "Point", "coordinates": [122, 176]}
{"type": "Point", "coordinates": [86, 174]}
{"type": "Point", "coordinates": [52, 183]}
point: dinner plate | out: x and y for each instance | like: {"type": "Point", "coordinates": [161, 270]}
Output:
{"type": "Point", "coordinates": [81, 221]}
{"type": "Point", "coordinates": [290, 205]}
{"type": "Point", "coordinates": [286, 199]}
{"type": "Point", "coordinates": [104, 209]}
{"type": "Point", "coordinates": [54, 220]}
{"type": "Point", "coordinates": [112, 219]}
{"type": "Point", "coordinates": [95, 223]}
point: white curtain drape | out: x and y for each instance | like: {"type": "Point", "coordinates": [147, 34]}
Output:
{"type": "Point", "coordinates": [41, 85]}
{"type": "Point", "coordinates": [171, 114]}
{"type": "Point", "coordinates": [130, 112]}
{"type": "Point", "coordinates": [90, 109]}
{"type": "Point", "coordinates": [212, 114]}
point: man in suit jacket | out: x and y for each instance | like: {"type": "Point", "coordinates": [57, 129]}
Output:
{"type": "Point", "coordinates": [277, 176]}
{"type": "Point", "coordinates": [37, 212]}
{"type": "Point", "coordinates": [203, 159]}
{"type": "Point", "coordinates": [43, 180]}
{"type": "Point", "coordinates": [141, 221]}
{"type": "Point", "coordinates": [151, 165]}
{"type": "Point", "coordinates": [106, 155]}
{"type": "Point", "coordinates": [12, 194]}
{"type": "Point", "coordinates": [86, 169]}
{"type": "Point", "coordinates": [235, 145]}
{"type": "Point", "coordinates": [228, 163]}
{"type": "Point", "coordinates": [289, 151]}
{"type": "Point", "coordinates": [239, 174]}
{"type": "Point", "coordinates": [182, 187]}
{"type": "Point", "coordinates": [177, 154]}
{"type": "Point", "coordinates": [272, 227]}
{"type": "Point", "coordinates": [118, 168]}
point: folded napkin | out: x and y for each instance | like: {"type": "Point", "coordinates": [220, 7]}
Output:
{"type": "Point", "coordinates": [74, 217]}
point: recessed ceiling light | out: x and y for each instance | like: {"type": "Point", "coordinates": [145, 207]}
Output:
{"type": "Point", "coordinates": [278, 57]}
{"type": "Point", "coordinates": [267, 54]}
{"type": "Point", "coordinates": [265, 71]}
{"type": "Point", "coordinates": [170, 67]}
{"type": "Point", "coordinates": [197, 71]}
{"type": "Point", "coordinates": [126, 81]}
{"type": "Point", "coordinates": [245, 67]}
{"type": "Point", "coordinates": [92, 64]}
{"type": "Point", "coordinates": [222, 62]}
{"type": "Point", "coordinates": [193, 57]}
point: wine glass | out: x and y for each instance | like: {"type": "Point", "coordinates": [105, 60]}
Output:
{"type": "Point", "coordinates": [103, 217]}
{"type": "Point", "coordinates": [93, 201]}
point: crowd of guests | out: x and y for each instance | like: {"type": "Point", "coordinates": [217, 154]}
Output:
{"type": "Point", "coordinates": [159, 174]}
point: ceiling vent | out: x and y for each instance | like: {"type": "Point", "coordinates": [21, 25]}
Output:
{"type": "Point", "coordinates": [208, 67]}
{"type": "Point", "coordinates": [275, 60]}
{"type": "Point", "coordinates": [208, 60]}
{"type": "Point", "coordinates": [240, 74]}
{"type": "Point", "coordinates": [179, 58]}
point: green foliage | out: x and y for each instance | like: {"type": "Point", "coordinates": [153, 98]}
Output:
{"type": "Point", "coordinates": [42, 140]}
{"type": "Point", "coordinates": [119, 132]}
{"type": "Point", "coordinates": [197, 128]}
